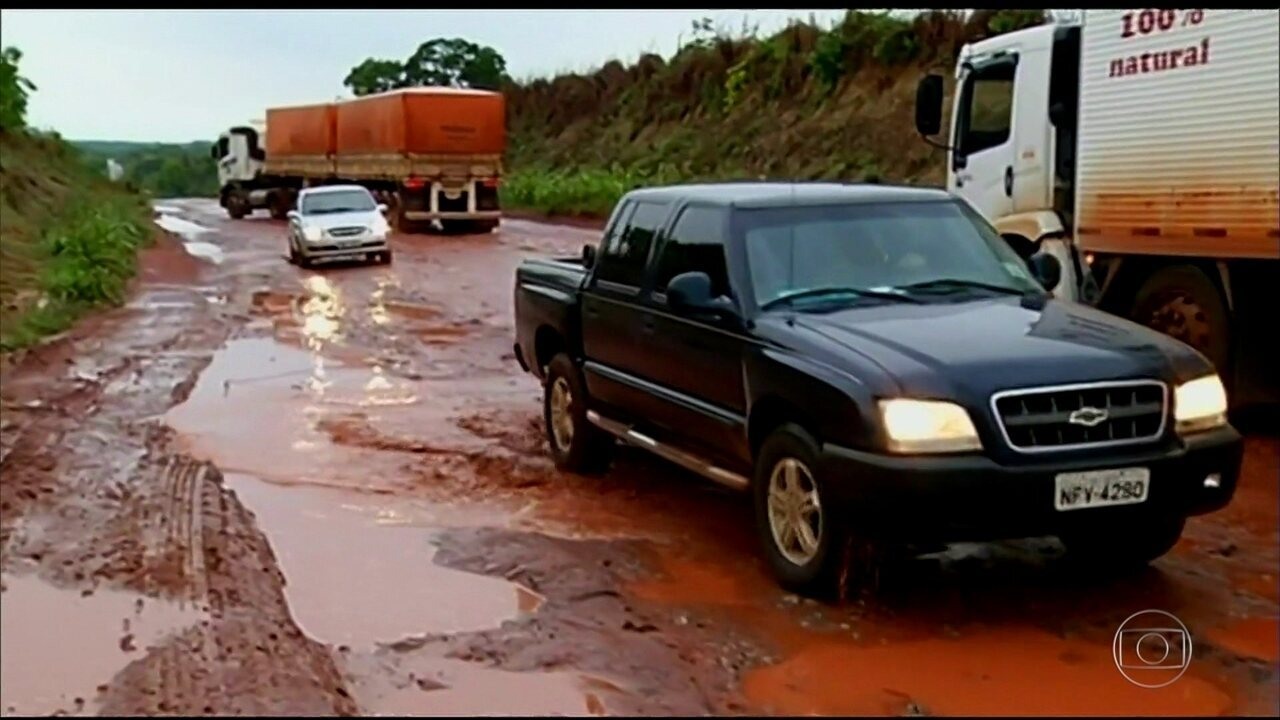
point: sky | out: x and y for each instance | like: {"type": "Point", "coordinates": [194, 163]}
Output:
{"type": "Point", "coordinates": [183, 75]}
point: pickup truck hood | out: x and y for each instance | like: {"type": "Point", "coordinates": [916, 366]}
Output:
{"type": "Point", "coordinates": [977, 347]}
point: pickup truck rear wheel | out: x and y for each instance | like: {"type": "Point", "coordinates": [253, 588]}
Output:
{"type": "Point", "coordinates": [576, 444]}
{"type": "Point", "coordinates": [802, 539]}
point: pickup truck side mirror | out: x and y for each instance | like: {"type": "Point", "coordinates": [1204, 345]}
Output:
{"type": "Point", "coordinates": [1046, 269]}
{"type": "Point", "coordinates": [691, 292]}
{"type": "Point", "coordinates": [588, 256]}
{"type": "Point", "coordinates": [929, 105]}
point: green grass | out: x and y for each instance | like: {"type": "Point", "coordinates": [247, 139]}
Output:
{"type": "Point", "coordinates": [68, 239]}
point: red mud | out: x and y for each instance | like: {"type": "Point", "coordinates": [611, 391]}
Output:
{"type": "Point", "coordinates": [342, 471]}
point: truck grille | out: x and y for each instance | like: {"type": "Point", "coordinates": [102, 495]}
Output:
{"type": "Point", "coordinates": [340, 232]}
{"type": "Point", "coordinates": [1081, 416]}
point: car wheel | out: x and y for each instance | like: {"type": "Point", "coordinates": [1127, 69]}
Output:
{"type": "Point", "coordinates": [1121, 547]}
{"type": "Point", "coordinates": [802, 538]}
{"type": "Point", "coordinates": [576, 444]}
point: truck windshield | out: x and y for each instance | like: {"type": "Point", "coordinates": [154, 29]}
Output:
{"type": "Point", "coordinates": [910, 248]}
{"type": "Point", "coordinates": [338, 201]}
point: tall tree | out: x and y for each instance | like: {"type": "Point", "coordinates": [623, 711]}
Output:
{"type": "Point", "coordinates": [375, 76]}
{"type": "Point", "coordinates": [13, 91]}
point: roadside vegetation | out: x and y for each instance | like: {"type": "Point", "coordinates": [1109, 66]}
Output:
{"type": "Point", "coordinates": [68, 236]}
{"type": "Point", "coordinates": [805, 103]}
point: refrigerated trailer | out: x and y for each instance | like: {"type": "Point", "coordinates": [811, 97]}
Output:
{"type": "Point", "coordinates": [1142, 148]}
{"type": "Point", "coordinates": [431, 154]}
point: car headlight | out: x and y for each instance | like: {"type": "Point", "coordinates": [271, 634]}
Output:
{"type": "Point", "coordinates": [312, 234]}
{"type": "Point", "coordinates": [1200, 404]}
{"type": "Point", "coordinates": [928, 426]}
{"type": "Point", "coordinates": [380, 228]}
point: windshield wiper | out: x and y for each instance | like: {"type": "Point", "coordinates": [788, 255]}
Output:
{"type": "Point", "coordinates": [960, 284]}
{"type": "Point", "coordinates": [819, 292]}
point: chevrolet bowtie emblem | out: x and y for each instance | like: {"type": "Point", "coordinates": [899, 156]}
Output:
{"type": "Point", "coordinates": [1087, 416]}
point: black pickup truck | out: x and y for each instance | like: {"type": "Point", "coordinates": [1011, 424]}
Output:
{"type": "Point", "coordinates": [872, 362]}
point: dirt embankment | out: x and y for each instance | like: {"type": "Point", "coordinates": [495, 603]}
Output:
{"type": "Point", "coordinates": [806, 103]}
{"type": "Point", "coordinates": [68, 238]}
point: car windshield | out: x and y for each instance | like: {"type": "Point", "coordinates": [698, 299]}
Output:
{"type": "Point", "coordinates": [337, 201]}
{"type": "Point", "coordinates": [910, 248]}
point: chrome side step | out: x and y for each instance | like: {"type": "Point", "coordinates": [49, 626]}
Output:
{"type": "Point", "coordinates": [686, 460]}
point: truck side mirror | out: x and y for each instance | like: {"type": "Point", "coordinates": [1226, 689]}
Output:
{"type": "Point", "coordinates": [691, 292]}
{"type": "Point", "coordinates": [213, 151]}
{"type": "Point", "coordinates": [929, 105]}
{"type": "Point", "coordinates": [1046, 269]}
{"type": "Point", "coordinates": [588, 256]}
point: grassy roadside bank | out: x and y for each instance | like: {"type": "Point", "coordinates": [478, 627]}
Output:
{"type": "Point", "coordinates": [68, 236]}
{"type": "Point", "coordinates": [807, 103]}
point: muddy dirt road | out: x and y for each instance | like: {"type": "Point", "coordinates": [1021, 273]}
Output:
{"type": "Point", "coordinates": [258, 489]}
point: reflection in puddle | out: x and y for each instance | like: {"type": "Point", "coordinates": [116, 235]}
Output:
{"type": "Point", "coordinates": [57, 646]}
{"type": "Point", "coordinates": [260, 405]}
{"type": "Point", "coordinates": [352, 579]}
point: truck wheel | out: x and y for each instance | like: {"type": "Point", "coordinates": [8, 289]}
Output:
{"type": "Point", "coordinates": [802, 538]}
{"type": "Point", "coordinates": [1183, 303]}
{"type": "Point", "coordinates": [1122, 547]}
{"type": "Point", "coordinates": [237, 206]}
{"type": "Point", "coordinates": [576, 444]}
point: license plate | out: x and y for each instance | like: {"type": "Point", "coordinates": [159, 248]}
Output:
{"type": "Point", "coordinates": [1097, 488]}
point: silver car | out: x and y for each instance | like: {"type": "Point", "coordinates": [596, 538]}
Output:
{"type": "Point", "coordinates": [338, 222]}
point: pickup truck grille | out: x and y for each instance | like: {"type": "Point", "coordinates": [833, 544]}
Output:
{"type": "Point", "coordinates": [1081, 416]}
{"type": "Point", "coordinates": [339, 232]}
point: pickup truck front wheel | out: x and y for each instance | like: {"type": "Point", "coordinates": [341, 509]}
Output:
{"type": "Point", "coordinates": [802, 538]}
{"type": "Point", "coordinates": [576, 444]}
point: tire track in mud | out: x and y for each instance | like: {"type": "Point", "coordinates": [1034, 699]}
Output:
{"type": "Point", "coordinates": [97, 498]}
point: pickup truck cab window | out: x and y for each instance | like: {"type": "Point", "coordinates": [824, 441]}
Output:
{"type": "Point", "coordinates": [889, 246]}
{"type": "Point", "coordinates": [696, 244]}
{"type": "Point", "coordinates": [626, 251]}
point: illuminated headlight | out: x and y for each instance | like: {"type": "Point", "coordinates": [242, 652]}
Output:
{"type": "Point", "coordinates": [1200, 404]}
{"type": "Point", "coordinates": [928, 426]}
{"type": "Point", "coordinates": [312, 234]}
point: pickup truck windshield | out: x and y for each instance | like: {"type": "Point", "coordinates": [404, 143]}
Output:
{"type": "Point", "coordinates": [336, 202]}
{"type": "Point", "coordinates": [903, 247]}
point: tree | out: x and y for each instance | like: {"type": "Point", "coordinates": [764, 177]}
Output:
{"type": "Point", "coordinates": [375, 76]}
{"type": "Point", "coordinates": [456, 62]}
{"type": "Point", "coordinates": [13, 91]}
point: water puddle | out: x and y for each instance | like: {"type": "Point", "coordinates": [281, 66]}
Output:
{"type": "Point", "coordinates": [189, 232]}
{"type": "Point", "coordinates": [57, 646]}
{"type": "Point", "coordinates": [359, 573]}
{"type": "Point", "coordinates": [263, 408]}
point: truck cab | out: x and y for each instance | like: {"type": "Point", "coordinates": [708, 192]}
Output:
{"type": "Point", "coordinates": [1012, 135]}
{"type": "Point", "coordinates": [1139, 147]}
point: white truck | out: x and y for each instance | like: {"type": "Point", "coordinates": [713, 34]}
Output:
{"type": "Point", "coordinates": [1142, 148]}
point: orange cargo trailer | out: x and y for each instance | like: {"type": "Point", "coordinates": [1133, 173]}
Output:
{"type": "Point", "coordinates": [440, 149]}
{"type": "Point", "coordinates": [301, 140]}
{"type": "Point", "coordinates": [423, 121]}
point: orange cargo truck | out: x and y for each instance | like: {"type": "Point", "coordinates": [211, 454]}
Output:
{"type": "Point", "coordinates": [431, 154]}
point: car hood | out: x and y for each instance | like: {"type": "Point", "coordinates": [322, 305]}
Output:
{"type": "Point", "coordinates": [327, 221]}
{"type": "Point", "coordinates": [971, 349]}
